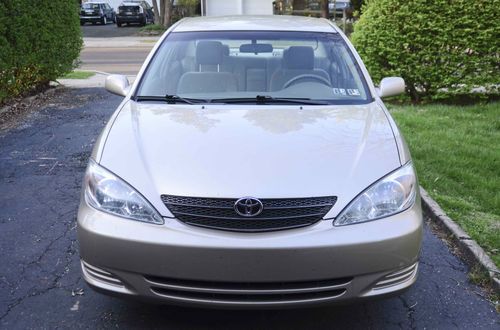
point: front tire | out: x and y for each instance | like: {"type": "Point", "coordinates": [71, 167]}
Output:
{"type": "Point", "coordinates": [104, 20]}
{"type": "Point", "coordinates": [118, 24]}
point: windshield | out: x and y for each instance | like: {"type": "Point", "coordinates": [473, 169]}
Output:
{"type": "Point", "coordinates": [218, 66]}
{"type": "Point", "coordinates": [90, 6]}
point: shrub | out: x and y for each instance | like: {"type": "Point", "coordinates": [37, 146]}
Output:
{"type": "Point", "coordinates": [439, 46]}
{"type": "Point", "coordinates": [39, 41]}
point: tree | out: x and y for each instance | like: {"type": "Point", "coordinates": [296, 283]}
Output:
{"type": "Point", "coordinates": [325, 9]}
{"type": "Point", "coordinates": [163, 12]}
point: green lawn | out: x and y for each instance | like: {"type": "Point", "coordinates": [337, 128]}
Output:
{"type": "Point", "coordinates": [78, 75]}
{"type": "Point", "coordinates": [456, 150]}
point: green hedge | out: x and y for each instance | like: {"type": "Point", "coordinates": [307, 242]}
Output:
{"type": "Point", "coordinates": [440, 47]}
{"type": "Point", "coordinates": [39, 41]}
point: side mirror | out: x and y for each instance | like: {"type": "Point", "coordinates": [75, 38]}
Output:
{"type": "Point", "coordinates": [117, 84]}
{"type": "Point", "coordinates": [391, 86]}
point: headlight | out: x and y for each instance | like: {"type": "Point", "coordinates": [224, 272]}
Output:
{"type": "Point", "coordinates": [390, 195]}
{"type": "Point", "coordinates": [106, 192]}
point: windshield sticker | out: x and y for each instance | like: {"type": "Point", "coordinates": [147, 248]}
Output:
{"type": "Point", "coordinates": [339, 91]}
{"type": "Point", "coordinates": [345, 92]}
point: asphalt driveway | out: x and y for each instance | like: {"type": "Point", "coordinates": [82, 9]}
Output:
{"type": "Point", "coordinates": [42, 159]}
{"type": "Point", "coordinates": [108, 30]}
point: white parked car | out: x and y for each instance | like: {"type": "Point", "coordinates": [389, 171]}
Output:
{"type": "Point", "coordinates": [252, 163]}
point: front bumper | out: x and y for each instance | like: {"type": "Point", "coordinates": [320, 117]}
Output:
{"type": "Point", "coordinates": [180, 264]}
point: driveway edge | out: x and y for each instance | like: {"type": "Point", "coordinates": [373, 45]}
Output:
{"type": "Point", "coordinates": [474, 254]}
{"type": "Point", "coordinates": [28, 99]}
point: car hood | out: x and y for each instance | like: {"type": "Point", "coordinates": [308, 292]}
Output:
{"type": "Point", "coordinates": [231, 151]}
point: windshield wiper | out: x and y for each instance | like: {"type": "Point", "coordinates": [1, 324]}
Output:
{"type": "Point", "coordinates": [170, 99]}
{"type": "Point", "coordinates": [266, 99]}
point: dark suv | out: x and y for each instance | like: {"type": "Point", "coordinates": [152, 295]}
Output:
{"type": "Point", "coordinates": [138, 12]}
{"type": "Point", "coordinates": [96, 12]}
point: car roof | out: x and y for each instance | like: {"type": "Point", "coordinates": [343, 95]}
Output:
{"type": "Point", "coordinates": [254, 23]}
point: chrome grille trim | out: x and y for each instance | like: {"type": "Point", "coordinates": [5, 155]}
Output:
{"type": "Point", "coordinates": [248, 293]}
{"type": "Point", "coordinates": [278, 214]}
{"type": "Point", "coordinates": [397, 277]}
{"type": "Point", "coordinates": [249, 299]}
{"type": "Point", "coordinates": [248, 288]}
{"type": "Point", "coordinates": [99, 274]}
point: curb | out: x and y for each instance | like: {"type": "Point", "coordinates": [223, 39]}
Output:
{"type": "Point", "coordinates": [474, 254]}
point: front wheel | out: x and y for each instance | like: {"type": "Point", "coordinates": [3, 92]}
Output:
{"type": "Point", "coordinates": [104, 20]}
{"type": "Point", "coordinates": [118, 24]}
{"type": "Point", "coordinates": [82, 23]}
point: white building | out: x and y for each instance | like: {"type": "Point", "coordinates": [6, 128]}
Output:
{"type": "Point", "coordinates": [236, 7]}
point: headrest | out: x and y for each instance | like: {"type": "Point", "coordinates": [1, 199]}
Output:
{"type": "Point", "coordinates": [225, 50]}
{"type": "Point", "coordinates": [209, 52]}
{"type": "Point", "coordinates": [298, 58]}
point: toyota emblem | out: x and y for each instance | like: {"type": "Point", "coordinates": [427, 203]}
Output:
{"type": "Point", "coordinates": [248, 207]}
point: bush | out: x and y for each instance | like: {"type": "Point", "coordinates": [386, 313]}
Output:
{"type": "Point", "coordinates": [39, 41]}
{"type": "Point", "coordinates": [438, 47]}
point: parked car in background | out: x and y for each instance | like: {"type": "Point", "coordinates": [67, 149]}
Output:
{"type": "Point", "coordinates": [96, 12]}
{"type": "Point", "coordinates": [338, 7]}
{"type": "Point", "coordinates": [252, 164]}
{"type": "Point", "coordinates": [134, 12]}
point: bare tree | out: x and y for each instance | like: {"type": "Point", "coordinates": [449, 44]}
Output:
{"type": "Point", "coordinates": [157, 12]}
{"type": "Point", "coordinates": [168, 10]}
{"type": "Point", "coordinates": [325, 10]}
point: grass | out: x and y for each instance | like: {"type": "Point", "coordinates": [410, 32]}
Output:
{"type": "Point", "coordinates": [456, 150]}
{"type": "Point", "coordinates": [155, 29]}
{"type": "Point", "coordinates": [78, 75]}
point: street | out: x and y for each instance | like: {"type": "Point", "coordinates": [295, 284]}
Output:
{"type": "Point", "coordinates": [114, 50]}
{"type": "Point", "coordinates": [42, 159]}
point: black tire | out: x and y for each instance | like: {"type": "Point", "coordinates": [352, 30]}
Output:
{"type": "Point", "coordinates": [94, 23]}
{"type": "Point", "coordinates": [82, 23]}
{"type": "Point", "coordinates": [118, 24]}
{"type": "Point", "coordinates": [144, 21]}
{"type": "Point", "coordinates": [104, 20]}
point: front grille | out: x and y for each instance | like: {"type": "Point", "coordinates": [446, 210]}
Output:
{"type": "Point", "coordinates": [278, 214]}
{"type": "Point", "coordinates": [248, 292]}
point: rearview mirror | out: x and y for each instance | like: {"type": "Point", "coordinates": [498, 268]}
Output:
{"type": "Point", "coordinates": [256, 48]}
{"type": "Point", "coordinates": [391, 86]}
{"type": "Point", "coordinates": [117, 84]}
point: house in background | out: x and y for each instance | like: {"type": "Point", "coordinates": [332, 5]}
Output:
{"type": "Point", "coordinates": [236, 7]}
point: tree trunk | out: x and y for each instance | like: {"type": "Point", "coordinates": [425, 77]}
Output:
{"type": "Point", "coordinates": [167, 18]}
{"type": "Point", "coordinates": [161, 21]}
{"type": "Point", "coordinates": [325, 10]}
{"type": "Point", "coordinates": [156, 11]}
